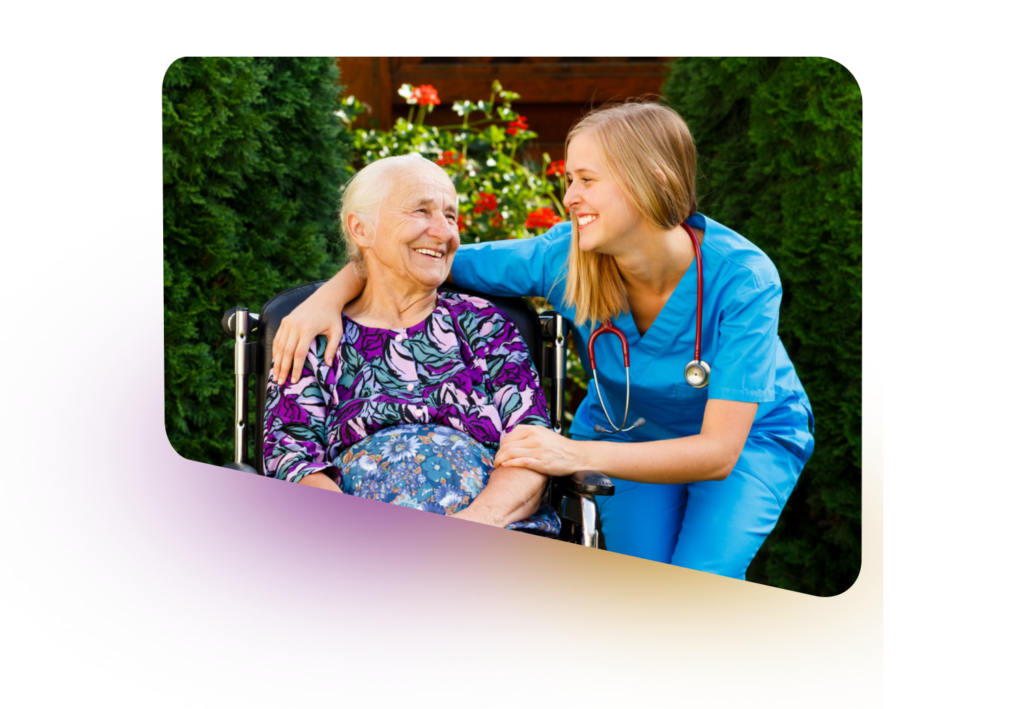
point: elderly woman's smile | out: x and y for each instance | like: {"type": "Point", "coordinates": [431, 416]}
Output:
{"type": "Point", "coordinates": [417, 232]}
{"type": "Point", "coordinates": [430, 252]}
{"type": "Point", "coordinates": [405, 227]}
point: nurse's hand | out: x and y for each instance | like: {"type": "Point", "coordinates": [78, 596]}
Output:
{"type": "Point", "coordinates": [320, 314]}
{"type": "Point", "coordinates": [297, 332]}
{"type": "Point", "coordinates": [540, 449]}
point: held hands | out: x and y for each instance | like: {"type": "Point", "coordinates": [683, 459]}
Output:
{"type": "Point", "coordinates": [542, 450]}
{"type": "Point", "coordinates": [314, 317]}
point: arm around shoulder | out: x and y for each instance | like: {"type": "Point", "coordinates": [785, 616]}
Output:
{"type": "Point", "coordinates": [320, 314]}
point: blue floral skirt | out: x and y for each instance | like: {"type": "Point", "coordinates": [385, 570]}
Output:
{"type": "Point", "coordinates": [428, 467]}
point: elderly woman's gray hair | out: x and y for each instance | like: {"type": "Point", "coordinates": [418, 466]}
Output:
{"type": "Point", "coordinates": [364, 195]}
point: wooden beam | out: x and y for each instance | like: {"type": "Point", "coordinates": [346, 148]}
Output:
{"type": "Point", "coordinates": [555, 82]}
{"type": "Point", "coordinates": [387, 88]}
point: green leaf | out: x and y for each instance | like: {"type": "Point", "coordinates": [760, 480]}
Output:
{"type": "Point", "coordinates": [494, 135]}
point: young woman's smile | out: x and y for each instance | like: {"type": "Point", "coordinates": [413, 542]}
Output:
{"type": "Point", "coordinates": [603, 213]}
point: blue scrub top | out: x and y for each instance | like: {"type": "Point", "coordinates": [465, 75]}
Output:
{"type": "Point", "coordinates": [740, 341]}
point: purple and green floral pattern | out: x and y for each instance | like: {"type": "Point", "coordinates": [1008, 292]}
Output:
{"type": "Point", "coordinates": [464, 367]}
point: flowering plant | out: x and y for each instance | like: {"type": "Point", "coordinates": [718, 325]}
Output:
{"type": "Point", "coordinates": [501, 195]}
{"type": "Point", "coordinates": [542, 218]}
{"type": "Point", "coordinates": [519, 124]}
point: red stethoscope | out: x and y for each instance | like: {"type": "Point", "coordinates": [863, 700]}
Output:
{"type": "Point", "coordinates": [696, 373]}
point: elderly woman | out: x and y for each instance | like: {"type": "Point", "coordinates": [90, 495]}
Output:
{"type": "Point", "coordinates": [425, 385]}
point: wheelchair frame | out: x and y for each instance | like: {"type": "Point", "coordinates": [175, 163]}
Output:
{"type": "Point", "coordinates": [571, 496]}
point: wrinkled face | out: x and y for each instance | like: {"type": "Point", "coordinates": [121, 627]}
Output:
{"type": "Point", "coordinates": [417, 232]}
{"type": "Point", "coordinates": [602, 210]}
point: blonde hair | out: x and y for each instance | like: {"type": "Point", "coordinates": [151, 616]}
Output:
{"type": "Point", "coordinates": [364, 195]}
{"type": "Point", "coordinates": [651, 157]}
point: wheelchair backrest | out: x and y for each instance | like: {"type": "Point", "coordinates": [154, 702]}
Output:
{"type": "Point", "coordinates": [518, 310]}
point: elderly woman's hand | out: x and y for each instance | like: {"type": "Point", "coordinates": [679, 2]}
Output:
{"type": "Point", "coordinates": [541, 450]}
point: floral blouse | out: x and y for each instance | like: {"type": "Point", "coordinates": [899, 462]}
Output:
{"type": "Point", "coordinates": [465, 367]}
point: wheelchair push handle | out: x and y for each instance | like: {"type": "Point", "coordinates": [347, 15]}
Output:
{"type": "Point", "coordinates": [240, 331]}
{"type": "Point", "coordinates": [227, 321]}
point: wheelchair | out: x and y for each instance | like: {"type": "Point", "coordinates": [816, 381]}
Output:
{"type": "Point", "coordinates": [545, 335]}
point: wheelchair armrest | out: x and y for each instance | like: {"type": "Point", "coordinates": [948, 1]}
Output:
{"type": "Point", "coordinates": [586, 482]}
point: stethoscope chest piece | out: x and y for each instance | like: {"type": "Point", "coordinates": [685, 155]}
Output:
{"type": "Point", "coordinates": [697, 374]}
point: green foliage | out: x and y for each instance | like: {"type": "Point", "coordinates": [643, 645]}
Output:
{"type": "Point", "coordinates": [253, 159]}
{"type": "Point", "coordinates": [500, 196]}
{"type": "Point", "coordinates": [780, 146]}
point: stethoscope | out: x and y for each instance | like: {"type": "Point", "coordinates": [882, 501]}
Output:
{"type": "Point", "coordinates": [696, 373]}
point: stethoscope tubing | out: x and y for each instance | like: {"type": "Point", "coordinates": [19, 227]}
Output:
{"type": "Point", "coordinates": [607, 327]}
{"type": "Point", "coordinates": [700, 289]}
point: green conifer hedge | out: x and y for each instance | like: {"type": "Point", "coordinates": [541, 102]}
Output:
{"type": "Point", "coordinates": [253, 159]}
{"type": "Point", "coordinates": [780, 160]}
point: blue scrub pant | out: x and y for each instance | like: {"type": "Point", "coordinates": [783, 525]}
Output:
{"type": "Point", "coordinates": [712, 526]}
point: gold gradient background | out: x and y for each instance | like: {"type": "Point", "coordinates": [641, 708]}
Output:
{"type": "Point", "coordinates": [560, 626]}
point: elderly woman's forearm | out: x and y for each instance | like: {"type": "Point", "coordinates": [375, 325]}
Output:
{"type": "Point", "coordinates": [511, 495]}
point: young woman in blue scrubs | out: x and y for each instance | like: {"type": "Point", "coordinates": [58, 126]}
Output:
{"type": "Point", "coordinates": [703, 482]}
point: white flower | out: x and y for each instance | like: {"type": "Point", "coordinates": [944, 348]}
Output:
{"type": "Point", "coordinates": [400, 448]}
{"type": "Point", "coordinates": [448, 496]}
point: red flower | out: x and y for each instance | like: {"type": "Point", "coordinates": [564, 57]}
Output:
{"type": "Point", "coordinates": [517, 125]}
{"type": "Point", "coordinates": [425, 95]}
{"type": "Point", "coordinates": [485, 201]}
{"type": "Point", "coordinates": [449, 157]}
{"type": "Point", "coordinates": [462, 223]}
{"type": "Point", "coordinates": [543, 218]}
{"type": "Point", "coordinates": [557, 168]}
{"type": "Point", "coordinates": [497, 219]}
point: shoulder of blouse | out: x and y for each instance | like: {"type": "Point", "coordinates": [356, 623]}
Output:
{"type": "Point", "coordinates": [460, 303]}
{"type": "Point", "coordinates": [491, 326]}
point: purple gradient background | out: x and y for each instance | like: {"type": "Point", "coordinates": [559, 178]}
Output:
{"type": "Point", "coordinates": [225, 589]}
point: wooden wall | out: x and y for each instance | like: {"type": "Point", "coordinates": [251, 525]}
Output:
{"type": "Point", "coordinates": [555, 91]}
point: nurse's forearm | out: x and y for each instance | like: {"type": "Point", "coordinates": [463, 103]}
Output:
{"type": "Point", "coordinates": [679, 460]}
{"type": "Point", "coordinates": [710, 455]}
{"type": "Point", "coordinates": [344, 287]}
{"type": "Point", "coordinates": [319, 314]}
